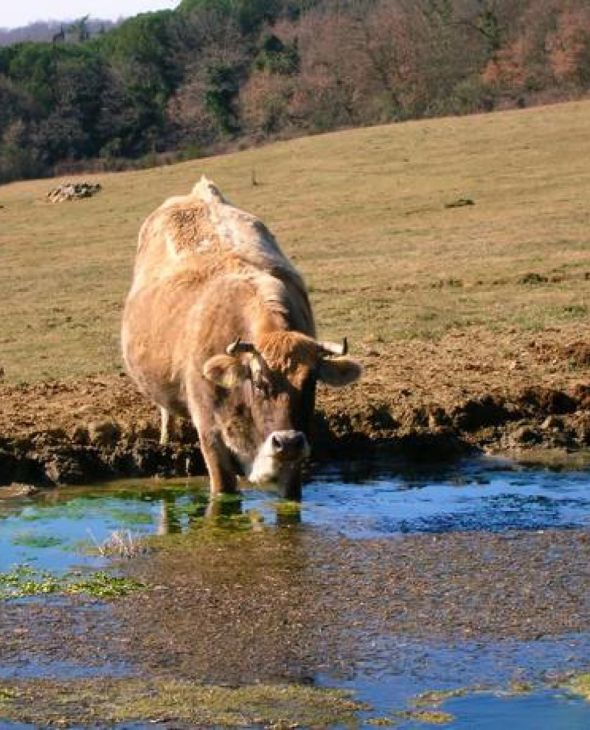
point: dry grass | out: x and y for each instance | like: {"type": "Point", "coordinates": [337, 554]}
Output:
{"type": "Point", "coordinates": [120, 544]}
{"type": "Point", "coordinates": [363, 215]}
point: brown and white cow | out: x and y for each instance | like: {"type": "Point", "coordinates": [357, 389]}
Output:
{"type": "Point", "coordinates": [218, 326]}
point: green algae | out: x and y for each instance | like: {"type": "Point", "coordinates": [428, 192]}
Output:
{"type": "Point", "coordinates": [110, 700]}
{"type": "Point", "coordinates": [23, 581]}
{"type": "Point", "coordinates": [30, 539]}
{"type": "Point", "coordinates": [128, 517]}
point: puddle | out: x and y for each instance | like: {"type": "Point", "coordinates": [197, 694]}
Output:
{"type": "Point", "coordinates": [482, 673]}
{"type": "Point", "coordinates": [60, 529]}
{"type": "Point", "coordinates": [341, 533]}
{"type": "Point", "coordinates": [483, 494]}
{"type": "Point", "coordinates": [551, 710]}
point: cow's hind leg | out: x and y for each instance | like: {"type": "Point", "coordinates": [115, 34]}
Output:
{"type": "Point", "coordinates": [166, 425]}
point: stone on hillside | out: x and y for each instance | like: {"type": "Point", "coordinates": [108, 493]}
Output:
{"type": "Point", "coordinates": [73, 191]}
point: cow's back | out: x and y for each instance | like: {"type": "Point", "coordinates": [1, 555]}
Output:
{"type": "Point", "coordinates": [202, 230]}
{"type": "Point", "coordinates": [184, 247]}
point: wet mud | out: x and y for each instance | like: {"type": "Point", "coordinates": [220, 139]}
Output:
{"type": "Point", "coordinates": [101, 428]}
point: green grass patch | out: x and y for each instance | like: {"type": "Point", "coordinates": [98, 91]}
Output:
{"type": "Point", "coordinates": [369, 244]}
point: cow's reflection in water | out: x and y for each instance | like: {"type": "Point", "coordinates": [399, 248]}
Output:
{"type": "Point", "coordinates": [233, 599]}
{"type": "Point", "coordinates": [218, 512]}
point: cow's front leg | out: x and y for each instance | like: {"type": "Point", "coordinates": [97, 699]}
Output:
{"type": "Point", "coordinates": [217, 458]}
{"type": "Point", "coordinates": [222, 476]}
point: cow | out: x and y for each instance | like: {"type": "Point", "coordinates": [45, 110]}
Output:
{"type": "Point", "coordinates": [217, 326]}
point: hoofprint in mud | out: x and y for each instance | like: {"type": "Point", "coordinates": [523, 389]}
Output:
{"type": "Point", "coordinates": [218, 326]}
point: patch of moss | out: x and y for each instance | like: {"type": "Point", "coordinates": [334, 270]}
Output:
{"type": "Point", "coordinates": [30, 539]}
{"type": "Point", "coordinates": [581, 685]}
{"type": "Point", "coordinates": [23, 581]}
{"type": "Point", "coordinates": [428, 717]}
{"type": "Point", "coordinates": [124, 700]}
{"type": "Point", "coordinates": [519, 687]}
{"type": "Point", "coordinates": [381, 722]}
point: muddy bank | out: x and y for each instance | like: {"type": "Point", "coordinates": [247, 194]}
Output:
{"type": "Point", "coordinates": [417, 400]}
{"type": "Point", "coordinates": [74, 433]}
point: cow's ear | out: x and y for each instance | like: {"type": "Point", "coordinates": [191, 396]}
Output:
{"type": "Point", "coordinates": [339, 372]}
{"type": "Point", "coordinates": [224, 370]}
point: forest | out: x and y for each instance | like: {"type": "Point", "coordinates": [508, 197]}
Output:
{"type": "Point", "coordinates": [213, 75]}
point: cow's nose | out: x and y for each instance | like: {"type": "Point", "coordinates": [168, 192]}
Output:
{"type": "Point", "coordinates": [289, 444]}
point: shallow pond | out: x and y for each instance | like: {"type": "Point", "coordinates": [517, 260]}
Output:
{"type": "Point", "coordinates": [364, 504]}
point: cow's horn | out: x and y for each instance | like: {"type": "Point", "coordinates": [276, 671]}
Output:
{"type": "Point", "coordinates": [239, 346]}
{"type": "Point", "coordinates": [333, 348]}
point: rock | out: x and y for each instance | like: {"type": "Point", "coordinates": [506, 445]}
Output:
{"type": "Point", "coordinates": [17, 467]}
{"type": "Point", "coordinates": [104, 433]}
{"type": "Point", "coordinates": [546, 401]}
{"type": "Point", "coordinates": [73, 191]}
{"type": "Point", "coordinates": [525, 435]}
{"type": "Point", "coordinates": [459, 203]}
{"type": "Point", "coordinates": [552, 423]}
{"type": "Point", "coordinates": [16, 490]}
{"type": "Point", "coordinates": [80, 435]}
{"type": "Point", "coordinates": [65, 469]}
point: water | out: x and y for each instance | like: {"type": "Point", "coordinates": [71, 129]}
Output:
{"type": "Point", "coordinates": [59, 531]}
{"type": "Point", "coordinates": [539, 710]}
{"type": "Point", "coordinates": [483, 494]}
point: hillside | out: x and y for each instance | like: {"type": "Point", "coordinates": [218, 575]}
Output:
{"type": "Point", "coordinates": [471, 319]}
{"type": "Point", "coordinates": [215, 75]}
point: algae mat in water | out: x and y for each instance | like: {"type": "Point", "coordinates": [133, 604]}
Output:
{"type": "Point", "coordinates": [123, 700]}
{"type": "Point", "coordinates": [23, 580]}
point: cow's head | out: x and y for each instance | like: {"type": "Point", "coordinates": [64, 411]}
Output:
{"type": "Point", "coordinates": [265, 399]}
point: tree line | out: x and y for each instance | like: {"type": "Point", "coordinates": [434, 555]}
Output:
{"type": "Point", "coordinates": [213, 73]}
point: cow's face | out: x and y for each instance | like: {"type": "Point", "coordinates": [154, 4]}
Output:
{"type": "Point", "coordinates": [265, 400]}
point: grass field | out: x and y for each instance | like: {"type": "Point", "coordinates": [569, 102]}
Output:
{"type": "Point", "coordinates": [363, 215]}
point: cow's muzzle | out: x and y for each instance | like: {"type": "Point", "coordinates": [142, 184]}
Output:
{"type": "Point", "coordinates": [279, 461]}
{"type": "Point", "coordinates": [289, 445]}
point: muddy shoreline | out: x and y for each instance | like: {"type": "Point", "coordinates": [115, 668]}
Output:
{"type": "Point", "coordinates": [101, 428]}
